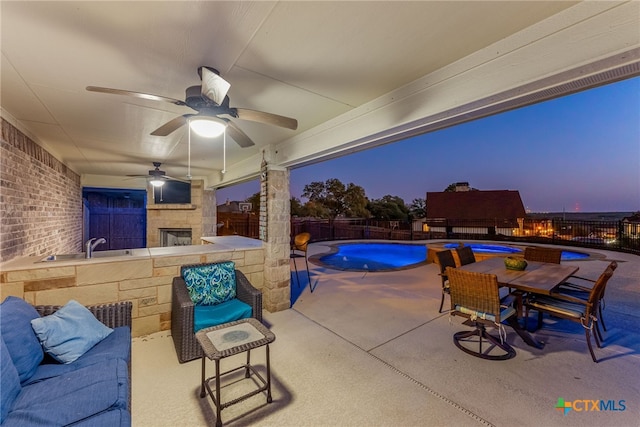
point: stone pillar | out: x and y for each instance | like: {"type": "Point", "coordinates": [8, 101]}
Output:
{"type": "Point", "coordinates": [209, 214]}
{"type": "Point", "coordinates": [275, 199]}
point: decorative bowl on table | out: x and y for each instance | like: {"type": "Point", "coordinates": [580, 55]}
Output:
{"type": "Point", "coordinates": [513, 263]}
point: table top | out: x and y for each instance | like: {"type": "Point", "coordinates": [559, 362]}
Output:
{"type": "Point", "coordinates": [538, 277]}
{"type": "Point", "coordinates": [231, 338]}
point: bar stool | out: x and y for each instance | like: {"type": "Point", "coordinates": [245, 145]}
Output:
{"type": "Point", "coordinates": [299, 250]}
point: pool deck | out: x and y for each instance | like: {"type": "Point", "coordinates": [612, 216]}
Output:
{"type": "Point", "coordinates": [371, 349]}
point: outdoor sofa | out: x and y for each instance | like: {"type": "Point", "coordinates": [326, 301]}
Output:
{"type": "Point", "coordinates": [60, 366]}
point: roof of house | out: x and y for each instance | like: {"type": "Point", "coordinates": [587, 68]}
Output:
{"type": "Point", "coordinates": [493, 204]}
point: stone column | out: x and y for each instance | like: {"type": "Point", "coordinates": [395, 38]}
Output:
{"type": "Point", "coordinates": [275, 199]}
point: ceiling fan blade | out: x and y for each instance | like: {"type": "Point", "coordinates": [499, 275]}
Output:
{"type": "Point", "coordinates": [135, 94]}
{"type": "Point", "coordinates": [171, 126]}
{"type": "Point", "coordinates": [238, 135]}
{"type": "Point", "coordinates": [214, 87]}
{"type": "Point", "coordinates": [268, 118]}
{"type": "Point", "coordinates": [172, 178]}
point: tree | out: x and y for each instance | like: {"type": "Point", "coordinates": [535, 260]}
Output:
{"type": "Point", "coordinates": [355, 202]}
{"type": "Point", "coordinates": [331, 199]}
{"type": "Point", "coordinates": [418, 208]}
{"type": "Point", "coordinates": [255, 203]}
{"type": "Point", "coordinates": [296, 207]}
{"type": "Point", "coordinates": [389, 208]}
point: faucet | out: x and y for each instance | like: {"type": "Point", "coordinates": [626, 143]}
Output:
{"type": "Point", "coordinates": [91, 245]}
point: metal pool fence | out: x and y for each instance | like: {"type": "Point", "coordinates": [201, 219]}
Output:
{"type": "Point", "coordinates": [611, 235]}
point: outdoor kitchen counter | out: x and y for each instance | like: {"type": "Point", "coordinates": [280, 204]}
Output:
{"type": "Point", "coordinates": [213, 244]}
{"type": "Point", "coordinates": [144, 277]}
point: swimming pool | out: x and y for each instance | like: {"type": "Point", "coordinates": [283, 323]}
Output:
{"type": "Point", "coordinates": [373, 256]}
{"type": "Point", "coordinates": [483, 248]}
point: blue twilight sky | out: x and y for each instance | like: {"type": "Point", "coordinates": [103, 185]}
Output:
{"type": "Point", "coordinates": [576, 153]}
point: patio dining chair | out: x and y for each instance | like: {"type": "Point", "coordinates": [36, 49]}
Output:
{"type": "Point", "coordinates": [582, 289]}
{"type": "Point", "coordinates": [465, 255]}
{"type": "Point", "coordinates": [475, 296]}
{"type": "Point", "coordinates": [299, 250]}
{"type": "Point", "coordinates": [445, 259]}
{"type": "Point", "coordinates": [543, 254]}
{"type": "Point", "coordinates": [572, 308]}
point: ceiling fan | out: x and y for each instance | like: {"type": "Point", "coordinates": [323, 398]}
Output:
{"type": "Point", "coordinates": [210, 100]}
{"type": "Point", "coordinates": [158, 177]}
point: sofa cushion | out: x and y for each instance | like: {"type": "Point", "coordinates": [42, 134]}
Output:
{"type": "Point", "coordinates": [110, 418]}
{"type": "Point", "coordinates": [210, 284]}
{"type": "Point", "coordinates": [69, 332]}
{"type": "Point", "coordinates": [21, 341]}
{"type": "Point", "coordinates": [205, 316]}
{"type": "Point", "coordinates": [72, 397]}
{"type": "Point", "coordinates": [116, 346]}
{"type": "Point", "coordinates": [10, 385]}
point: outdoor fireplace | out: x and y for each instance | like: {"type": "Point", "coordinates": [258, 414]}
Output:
{"type": "Point", "coordinates": [175, 237]}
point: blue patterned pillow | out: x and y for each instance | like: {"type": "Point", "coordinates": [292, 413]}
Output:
{"type": "Point", "coordinates": [211, 284]}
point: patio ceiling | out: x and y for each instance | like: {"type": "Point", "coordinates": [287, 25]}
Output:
{"type": "Point", "coordinates": [354, 74]}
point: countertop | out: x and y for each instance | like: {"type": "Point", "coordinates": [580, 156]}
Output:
{"type": "Point", "coordinates": [214, 244]}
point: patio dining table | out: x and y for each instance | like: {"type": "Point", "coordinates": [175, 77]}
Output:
{"type": "Point", "coordinates": [538, 278]}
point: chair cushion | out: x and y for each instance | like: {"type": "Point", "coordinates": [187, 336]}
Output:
{"type": "Point", "coordinates": [505, 313]}
{"type": "Point", "coordinates": [10, 386]}
{"type": "Point", "coordinates": [69, 332]}
{"type": "Point", "coordinates": [22, 343]}
{"type": "Point", "coordinates": [205, 316]}
{"type": "Point", "coordinates": [555, 306]}
{"type": "Point", "coordinates": [211, 284]}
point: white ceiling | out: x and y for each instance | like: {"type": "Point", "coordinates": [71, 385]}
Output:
{"type": "Point", "coordinates": [354, 74]}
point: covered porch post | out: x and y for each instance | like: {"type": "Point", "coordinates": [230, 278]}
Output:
{"type": "Point", "coordinates": [275, 229]}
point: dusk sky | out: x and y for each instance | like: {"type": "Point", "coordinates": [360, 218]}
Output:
{"type": "Point", "coordinates": [576, 153]}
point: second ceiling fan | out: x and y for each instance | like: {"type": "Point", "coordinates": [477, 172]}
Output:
{"type": "Point", "coordinates": [210, 100]}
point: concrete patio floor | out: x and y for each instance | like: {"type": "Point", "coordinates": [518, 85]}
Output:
{"type": "Point", "coordinates": [372, 350]}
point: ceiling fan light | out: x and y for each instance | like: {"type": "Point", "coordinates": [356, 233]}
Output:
{"type": "Point", "coordinates": [209, 127]}
{"type": "Point", "coordinates": [157, 182]}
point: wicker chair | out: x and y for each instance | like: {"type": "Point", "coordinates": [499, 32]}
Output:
{"type": "Point", "coordinates": [542, 254]}
{"type": "Point", "coordinates": [475, 296]}
{"type": "Point", "coordinates": [465, 255]}
{"type": "Point", "coordinates": [299, 250]}
{"type": "Point", "coordinates": [182, 312]}
{"type": "Point", "coordinates": [445, 259]}
{"type": "Point", "coordinates": [573, 309]}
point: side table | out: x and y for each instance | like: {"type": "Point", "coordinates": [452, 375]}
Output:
{"type": "Point", "coordinates": [226, 340]}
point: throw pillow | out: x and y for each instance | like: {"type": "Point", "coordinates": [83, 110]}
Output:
{"type": "Point", "coordinates": [22, 343]}
{"type": "Point", "coordinates": [70, 332]}
{"type": "Point", "coordinates": [211, 284]}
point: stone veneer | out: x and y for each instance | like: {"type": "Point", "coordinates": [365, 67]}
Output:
{"type": "Point", "coordinates": [277, 267]}
{"type": "Point", "coordinates": [199, 215]}
{"type": "Point", "coordinates": [144, 281]}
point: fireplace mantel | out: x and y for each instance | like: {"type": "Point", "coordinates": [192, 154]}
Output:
{"type": "Point", "coordinates": [171, 206]}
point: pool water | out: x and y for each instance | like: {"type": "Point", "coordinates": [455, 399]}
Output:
{"type": "Point", "coordinates": [483, 248]}
{"type": "Point", "coordinates": [375, 256]}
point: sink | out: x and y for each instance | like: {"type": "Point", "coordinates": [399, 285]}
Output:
{"type": "Point", "coordinates": [81, 255]}
{"type": "Point", "coordinates": [62, 257]}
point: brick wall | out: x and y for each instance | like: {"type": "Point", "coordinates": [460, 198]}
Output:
{"type": "Point", "coordinates": [40, 200]}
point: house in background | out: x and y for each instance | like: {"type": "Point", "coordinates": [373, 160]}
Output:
{"type": "Point", "coordinates": [470, 211]}
{"type": "Point", "coordinates": [631, 226]}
